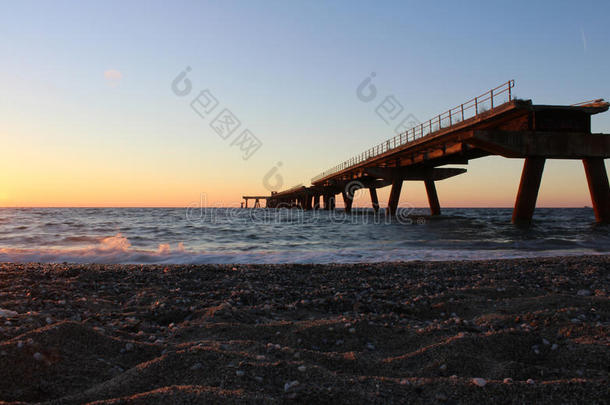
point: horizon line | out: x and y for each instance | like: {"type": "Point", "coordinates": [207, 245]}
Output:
{"type": "Point", "coordinates": [321, 209]}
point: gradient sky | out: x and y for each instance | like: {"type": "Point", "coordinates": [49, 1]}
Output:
{"type": "Point", "coordinates": [88, 118]}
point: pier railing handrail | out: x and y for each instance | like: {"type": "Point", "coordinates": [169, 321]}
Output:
{"type": "Point", "coordinates": [585, 103]}
{"type": "Point", "coordinates": [450, 117]}
{"type": "Point", "coordinates": [292, 189]}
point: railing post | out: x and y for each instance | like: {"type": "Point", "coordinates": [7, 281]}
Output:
{"type": "Point", "coordinates": [492, 98]}
{"type": "Point", "coordinates": [450, 118]}
{"type": "Point", "coordinates": [476, 107]}
{"type": "Point", "coordinates": [439, 121]}
{"type": "Point", "coordinates": [422, 129]}
{"type": "Point", "coordinates": [430, 122]}
{"type": "Point", "coordinates": [509, 95]}
{"type": "Point", "coordinates": [462, 105]}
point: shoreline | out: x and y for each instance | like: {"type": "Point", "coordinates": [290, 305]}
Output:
{"type": "Point", "coordinates": [94, 256]}
{"type": "Point", "coordinates": [384, 332]}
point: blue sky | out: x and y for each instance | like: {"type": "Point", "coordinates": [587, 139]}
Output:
{"type": "Point", "coordinates": [289, 71]}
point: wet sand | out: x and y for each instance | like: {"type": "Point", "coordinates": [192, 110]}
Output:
{"type": "Point", "coordinates": [508, 331]}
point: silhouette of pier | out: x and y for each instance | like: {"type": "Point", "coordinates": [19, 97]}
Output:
{"type": "Point", "coordinates": [491, 124]}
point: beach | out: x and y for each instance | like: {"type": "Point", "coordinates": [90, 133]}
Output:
{"type": "Point", "coordinates": [461, 332]}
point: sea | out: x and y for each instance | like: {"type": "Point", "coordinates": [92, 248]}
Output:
{"type": "Point", "coordinates": [235, 235]}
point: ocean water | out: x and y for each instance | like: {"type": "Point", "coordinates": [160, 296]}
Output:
{"type": "Point", "coordinates": [229, 235]}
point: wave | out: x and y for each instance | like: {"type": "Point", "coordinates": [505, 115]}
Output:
{"type": "Point", "coordinates": [118, 250]}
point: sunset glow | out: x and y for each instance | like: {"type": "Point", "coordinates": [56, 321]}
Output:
{"type": "Point", "coordinates": [106, 129]}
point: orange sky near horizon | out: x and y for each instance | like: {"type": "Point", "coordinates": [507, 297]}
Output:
{"type": "Point", "coordinates": [42, 181]}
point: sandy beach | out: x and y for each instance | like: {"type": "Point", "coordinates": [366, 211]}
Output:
{"type": "Point", "coordinates": [509, 331]}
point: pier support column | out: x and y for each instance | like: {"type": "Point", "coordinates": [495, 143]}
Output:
{"type": "Point", "coordinates": [348, 201]}
{"type": "Point", "coordinates": [374, 199]}
{"type": "Point", "coordinates": [528, 190]}
{"type": "Point", "coordinates": [316, 202]}
{"type": "Point", "coordinates": [326, 199]}
{"type": "Point", "coordinates": [595, 170]}
{"type": "Point", "coordinates": [246, 203]}
{"type": "Point", "coordinates": [331, 201]}
{"type": "Point", "coordinates": [307, 202]}
{"type": "Point", "coordinates": [394, 196]}
{"type": "Point", "coordinates": [435, 206]}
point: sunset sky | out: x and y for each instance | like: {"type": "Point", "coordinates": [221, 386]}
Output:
{"type": "Point", "coordinates": [88, 116]}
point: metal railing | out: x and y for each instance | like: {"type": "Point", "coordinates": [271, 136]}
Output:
{"type": "Point", "coordinates": [585, 103]}
{"type": "Point", "coordinates": [444, 120]}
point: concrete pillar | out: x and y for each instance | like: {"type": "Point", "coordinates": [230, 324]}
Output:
{"type": "Point", "coordinates": [435, 206]}
{"type": "Point", "coordinates": [528, 190]}
{"type": "Point", "coordinates": [326, 198]}
{"type": "Point", "coordinates": [308, 199]}
{"type": "Point", "coordinates": [374, 199]}
{"type": "Point", "coordinates": [348, 201]}
{"type": "Point", "coordinates": [394, 196]}
{"type": "Point", "coordinates": [595, 170]}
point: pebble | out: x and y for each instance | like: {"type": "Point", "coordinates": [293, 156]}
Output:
{"type": "Point", "coordinates": [507, 381]}
{"type": "Point", "coordinates": [554, 346]}
{"type": "Point", "coordinates": [302, 369]}
{"type": "Point", "coordinates": [290, 385]}
{"type": "Point", "coordinates": [49, 320]}
{"type": "Point", "coordinates": [583, 293]}
{"type": "Point", "coordinates": [129, 347]}
{"type": "Point", "coordinates": [196, 366]}
{"type": "Point", "coordinates": [479, 382]}
{"type": "Point", "coordinates": [240, 373]}
{"type": "Point", "coordinates": [7, 313]}
{"type": "Point", "coordinates": [530, 381]}
{"type": "Point", "coordinates": [370, 346]}
{"type": "Point", "coordinates": [38, 356]}
{"type": "Point", "coordinates": [443, 367]}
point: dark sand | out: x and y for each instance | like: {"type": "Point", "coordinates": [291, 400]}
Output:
{"type": "Point", "coordinates": [372, 333]}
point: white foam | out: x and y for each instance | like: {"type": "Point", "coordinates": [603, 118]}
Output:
{"type": "Point", "coordinates": [118, 250]}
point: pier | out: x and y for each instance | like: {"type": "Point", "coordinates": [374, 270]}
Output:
{"type": "Point", "coordinates": [490, 124]}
